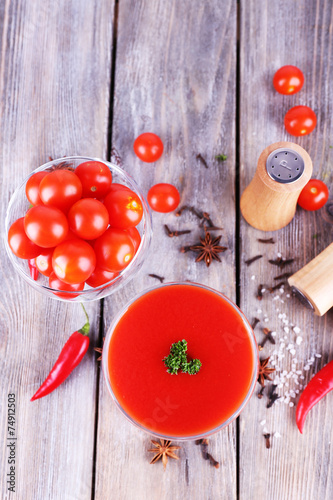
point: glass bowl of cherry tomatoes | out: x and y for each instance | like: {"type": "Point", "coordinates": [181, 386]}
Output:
{"type": "Point", "coordinates": [78, 228]}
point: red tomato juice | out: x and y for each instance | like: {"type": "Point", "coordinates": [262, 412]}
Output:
{"type": "Point", "coordinates": [181, 405]}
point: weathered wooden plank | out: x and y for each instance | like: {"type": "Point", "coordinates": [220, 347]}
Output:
{"type": "Point", "coordinates": [175, 76]}
{"type": "Point", "coordinates": [54, 88]}
{"type": "Point", "coordinates": [274, 34]}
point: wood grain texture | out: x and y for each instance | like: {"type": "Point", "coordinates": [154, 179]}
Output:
{"type": "Point", "coordinates": [274, 34]}
{"type": "Point", "coordinates": [54, 91]}
{"type": "Point", "coordinates": [175, 76]}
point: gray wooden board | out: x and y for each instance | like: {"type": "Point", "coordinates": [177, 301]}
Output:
{"type": "Point", "coordinates": [175, 76]}
{"type": "Point", "coordinates": [273, 34]}
{"type": "Point", "coordinates": [54, 88]}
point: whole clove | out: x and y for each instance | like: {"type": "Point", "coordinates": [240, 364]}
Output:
{"type": "Point", "coordinates": [202, 160]}
{"type": "Point", "coordinates": [253, 259]}
{"type": "Point", "coordinates": [171, 234]}
{"type": "Point", "coordinates": [255, 322]}
{"type": "Point", "coordinates": [273, 396]}
{"type": "Point", "coordinates": [267, 240]}
{"type": "Point", "coordinates": [156, 276]}
{"type": "Point", "coordinates": [204, 451]}
{"type": "Point", "coordinates": [268, 442]}
{"type": "Point", "coordinates": [276, 287]}
{"type": "Point", "coordinates": [281, 276]}
{"type": "Point", "coordinates": [280, 262]}
{"type": "Point", "coordinates": [259, 292]}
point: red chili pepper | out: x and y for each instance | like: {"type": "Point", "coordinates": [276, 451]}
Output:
{"type": "Point", "coordinates": [70, 356]}
{"type": "Point", "coordinates": [317, 388]}
{"type": "Point", "coordinates": [33, 269]}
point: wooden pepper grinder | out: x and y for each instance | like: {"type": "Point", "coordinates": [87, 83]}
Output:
{"type": "Point", "coordinates": [269, 201]}
{"type": "Point", "coordinates": [313, 283]}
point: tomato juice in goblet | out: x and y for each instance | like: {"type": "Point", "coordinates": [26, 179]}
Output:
{"type": "Point", "coordinates": [180, 406]}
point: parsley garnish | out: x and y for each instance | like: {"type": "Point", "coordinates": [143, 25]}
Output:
{"type": "Point", "coordinates": [177, 360]}
{"type": "Point", "coordinates": [221, 157]}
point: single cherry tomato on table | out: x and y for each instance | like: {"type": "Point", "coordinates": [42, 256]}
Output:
{"type": "Point", "coordinates": [88, 218]}
{"type": "Point", "coordinates": [288, 80]}
{"type": "Point", "coordinates": [300, 120]}
{"type": "Point", "coordinates": [19, 243]}
{"type": "Point", "coordinates": [100, 277]}
{"type": "Point", "coordinates": [148, 147]}
{"type": "Point", "coordinates": [163, 197]}
{"type": "Point", "coordinates": [95, 177]}
{"type": "Point", "coordinates": [314, 195]}
{"type": "Point", "coordinates": [57, 284]}
{"type": "Point", "coordinates": [73, 261]}
{"type": "Point", "coordinates": [60, 189]}
{"type": "Point", "coordinates": [114, 250]}
{"type": "Point", "coordinates": [124, 207]}
{"type": "Point", "coordinates": [32, 187]}
{"type": "Point", "coordinates": [45, 226]}
{"type": "Point", "coordinates": [44, 261]}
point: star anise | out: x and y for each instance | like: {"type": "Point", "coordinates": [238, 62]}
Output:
{"type": "Point", "coordinates": [264, 371]}
{"type": "Point", "coordinates": [208, 249]}
{"type": "Point", "coordinates": [163, 450]}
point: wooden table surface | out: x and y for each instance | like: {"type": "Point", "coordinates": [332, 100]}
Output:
{"type": "Point", "coordinates": [85, 77]}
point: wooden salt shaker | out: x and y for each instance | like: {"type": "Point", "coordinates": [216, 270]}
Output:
{"type": "Point", "coordinates": [269, 201]}
{"type": "Point", "coordinates": [313, 283]}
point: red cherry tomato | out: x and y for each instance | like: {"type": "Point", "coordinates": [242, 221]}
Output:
{"type": "Point", "coordinates": [44, 261]}
{"type": "Point", "coordinates": [114, 250]}
{"type": "Point", "coordinates": [100, 277]}
{"type": "Point", "coordinates": [45, 226]}
{"type": "Point", "coordinates": [148, 147]}
{"type": "Point", "coordinates": [32, 187]}
{"type": "Point", "coordinates": [135, 235]}
{"type": "Point", "coordinates": [73, 261]}
{"type": "Point", "coordinates": [314, 195]}
{"type": "Point", "coordinates": [88, 218]}
{"type": "Point", "coordinates": [124, 207]}
{"type": "Point", "coordinates": [19, 243]}
{"type": "Point", "coordinates": [57, 284]}
{"type": "Point", "coordinates": [60, 189]}
{"type": "Point", "coordinates": [288, 80]}
{"type": "Point", "coordinates": [300, 120]}
{"type": "Point", "coordinates": [163, 198]}
{"type": "Point", "coordinates": [95, 178]}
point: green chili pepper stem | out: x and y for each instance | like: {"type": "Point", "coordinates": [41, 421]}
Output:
{"type": "Point", "coordinates": [86, 327]}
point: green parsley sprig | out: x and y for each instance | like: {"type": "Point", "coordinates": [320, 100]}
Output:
{"type": "Point", "coordinates": [177, 360]}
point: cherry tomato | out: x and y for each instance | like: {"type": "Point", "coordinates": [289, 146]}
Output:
{"type": "Point", "coordinates": [95, 178]}
{"type": "Point", "coordinates": [32, 187]}
{"type": "Point", "coordinates": [19, 243]}
{"type": "Point", "coordinates": [163, 198]}
{"type": "Point", "coordinates": [135, 235]}
{"type": "Point", "coordinates": [73, 261]}
{"type": "Point", "coordinates": [300, 120]}
{"type": "Point", "coordinates": [57, 284]}
{"type": "Point", "coordinates": [148, 147]}
{"type": "Point", "coordinates": [45, 226]}
{"type": "Point", "coordinates": [100, 277]}
{"type": "Point", "coordinates": [314, 195]}
{"type": "Point", "coordinates": [88, 218]}
{"type": "Point", "coordinates": [114, 249]}
{"type": "Point", "coordinates": [44, 261]}
{"type": "Point", "coordinates": [60, 189]}
{"type": "Point", "coordinates": [288, 80]}
{"type": "Point", "coordinates": [124, 207]}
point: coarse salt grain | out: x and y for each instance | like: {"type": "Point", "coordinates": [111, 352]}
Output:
{"type": "Point", "coordinates": [263, 422]}
{"type": "Point", "coordinates": [286, 329]}
{"type": "Point", "coordinates": [292, 352]}
{"type": "Point", "coordinates": [253, 277]}
{"type": "Point", "coordinates": [266, 320]}
{"type": "Point", "coordinates": [259, 311]}
{"type": "Point", "coordinates": [317, 355]}
{"type": "Point", "coordinates": [279, 254]}
{"type": "Point", "coordinates": [277, 435]}
{"type": "Point", "coordinates": [274, 334]}
{"type": "Point", "coordinates": [299, 340]}
{"type": "Point", "coordinates": [306, 368]}
{"type": "Point", "coordinates": [296, 329]}
{"type": "Point", "coordinates": [291, 404]}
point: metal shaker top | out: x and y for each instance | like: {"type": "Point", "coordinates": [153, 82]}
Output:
{"type": "Point", "coordinates": [285, 165]}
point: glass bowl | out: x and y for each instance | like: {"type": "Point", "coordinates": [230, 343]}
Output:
{"type": "Point", "coordinates": [176, 406]}
{"type": "Point", "coordinates": [19, 205]}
